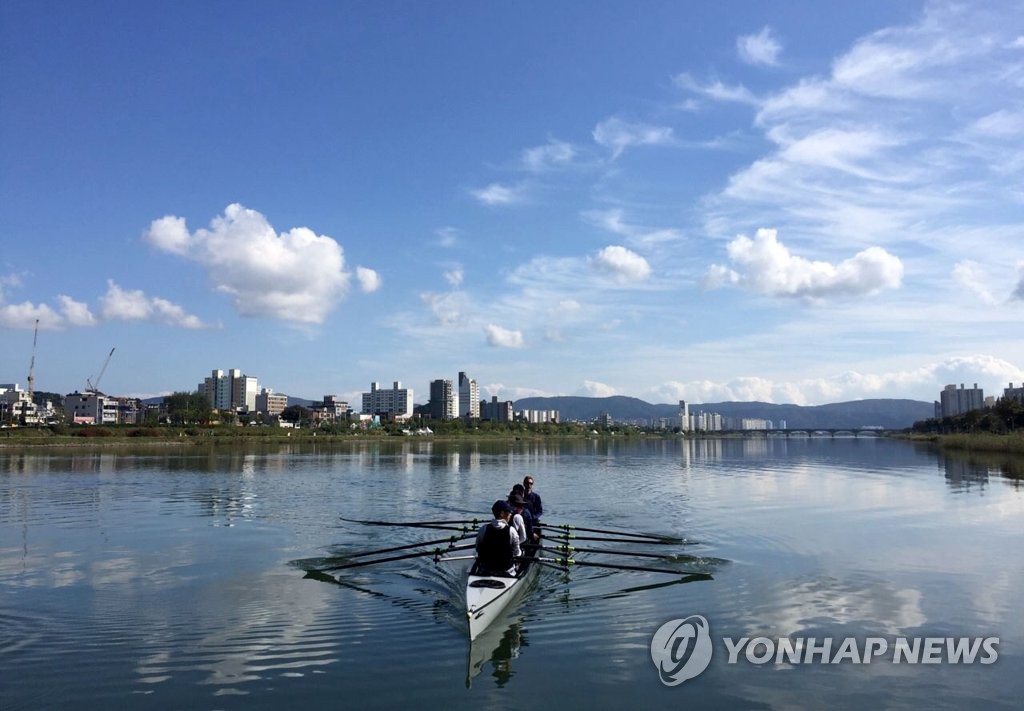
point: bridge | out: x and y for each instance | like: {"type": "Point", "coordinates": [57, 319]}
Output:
{"type": "Point", "coordinates": [806, 432]}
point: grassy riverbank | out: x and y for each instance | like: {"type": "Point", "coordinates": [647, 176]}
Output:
{"type": "Point", "coordinates": [1012, 443]}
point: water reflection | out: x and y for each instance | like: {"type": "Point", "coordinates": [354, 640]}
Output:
{"type": "Point", "coordinates": [965, 470]}
{"type": "Point", "coordinates": [497, 646]}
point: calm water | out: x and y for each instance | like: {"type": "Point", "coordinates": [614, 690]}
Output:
{"type": "Point", "coordinates": [153, 579]}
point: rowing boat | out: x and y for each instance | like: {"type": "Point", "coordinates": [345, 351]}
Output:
{"type": "Point", "coordinates": [487, 596]}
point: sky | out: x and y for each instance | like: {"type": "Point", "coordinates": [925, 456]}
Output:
{"type": "Point", "coordinates": [790, 202]}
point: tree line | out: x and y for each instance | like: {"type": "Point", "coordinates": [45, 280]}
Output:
{"type": "Point", "coordinates": [1006, 416]}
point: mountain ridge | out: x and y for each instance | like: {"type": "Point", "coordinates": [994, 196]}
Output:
{"type": "Point", "coordinates": [887, 413]}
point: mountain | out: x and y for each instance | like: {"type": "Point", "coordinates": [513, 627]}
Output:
{"type": "Point", "coordinates": [886, 413]}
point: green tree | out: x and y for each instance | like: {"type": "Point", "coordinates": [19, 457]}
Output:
{"type": "Point", "coordinates": [187, 408]}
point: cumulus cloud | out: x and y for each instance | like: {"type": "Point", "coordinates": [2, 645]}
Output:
{"type": "Point", "coordinates": [592, 388]}
{"type": "Point", "coordinates": [498, 194]}
{"type": "Point", "coordinates": [552, 154]}
{"type": "Point", "coordinates": [767, 266]}
{"type": "Point", "coordinates": [133, 305]}
{"type": "Point", "coordinates": [762, 48]}
{"type": "Point", "coordinates": [75, 313]}
{"type": "Point", "coordinates": [369, 280]}
{"type": "Point", "coordinates": [988, 371]}
{"type": "Point", "coordinates": [295, 276]}
{"type": "Point", "coordinates": [618, 135]}
{"type": "Point", "coordinates": [503, 337]}
{"type": "Point", "coordinates": [624, 264]}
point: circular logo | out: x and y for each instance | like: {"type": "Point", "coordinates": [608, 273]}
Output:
{"type": "Point", "coordinates": [681, 649]}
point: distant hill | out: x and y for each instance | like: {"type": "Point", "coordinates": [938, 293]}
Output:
{"type": "Point", "coordinates": [887, 413]}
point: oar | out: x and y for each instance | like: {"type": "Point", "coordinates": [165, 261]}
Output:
{"type": "Point", "coordinates": [656, 536]}
{"type": "Point", "coordinates": [616, 566]}
{"type": "Point", "coordinates": [452, 539]}
{"type": "Point", "coordinates": [608, 551]}
{"type": "Point", "coordinates": [605, 539]}
{"type": "Point", "coordinates": [418, 554]}
{"type": "Point", "coordinates": [416, 524]}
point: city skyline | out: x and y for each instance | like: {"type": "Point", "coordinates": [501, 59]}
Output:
{"type": "Point", "coordinates": [786, 202]}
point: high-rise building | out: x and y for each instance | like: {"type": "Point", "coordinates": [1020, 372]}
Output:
{"type": "Point", "coordinates": [270, 403]}
{"type": "Point", "coordinates": [684, 416]}
{"type": "Point", "coordinates": [395, 403]}
{"type": "Point", "coordinates": [956, 401]}
{"type": "Point", "coordinates": [443, 403]}
{"type": "Point", "coordinates": [496, 411]}
{"type": "Point", "coordinates": [230, 391]}
{"type": "Point", "coordinates": [1012, 393]}
{"type": "Point", "coordinates": [469, 397]}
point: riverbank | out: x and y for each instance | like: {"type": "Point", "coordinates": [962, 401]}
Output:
{"type": "Point", "coordinates": [1012, 443]}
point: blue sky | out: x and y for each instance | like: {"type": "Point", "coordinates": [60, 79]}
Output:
{"type": "Point", "coordinates": [782, 201]}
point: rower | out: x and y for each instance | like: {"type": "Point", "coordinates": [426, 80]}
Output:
{"type": "Point", "coordinates": [532, 498]}
{"type": "Point", "coordinates": [497, 543]}
{"type": "Point", "coordinates": [522, 521]}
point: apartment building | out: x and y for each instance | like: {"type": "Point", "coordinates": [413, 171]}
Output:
{"type": "Point", "coordinates": [395, 402]}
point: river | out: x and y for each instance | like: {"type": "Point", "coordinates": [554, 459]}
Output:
{"type": "Point", "coordinates": [173, 578]}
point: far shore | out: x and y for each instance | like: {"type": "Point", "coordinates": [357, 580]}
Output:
{"type": "Point", "coordinates": [33, 438]}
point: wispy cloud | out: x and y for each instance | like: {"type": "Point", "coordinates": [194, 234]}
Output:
{"type": "Point", "coordinates": [454, 276]}
{"type": "Point", "coordinates": [715, 90]}
{"type": "Point", "coordinates": [553, 154]}
{"type": "Point", "coordinates": [765, 265]}
{"type": "Point", "coordinates": [447, 236]}
{"type": "Point", "coordinates": [617, 135]}
{"type": "Point", "coordinates": [971, 277]}
{"type": "Point", "coordinates": [295, 276]}
{"type": "Point", "coordinates": [614, 221]}
{"type": "Point", "coordinates": [498, 194]}
{"type": "Point", "coordinates": [761, 48]}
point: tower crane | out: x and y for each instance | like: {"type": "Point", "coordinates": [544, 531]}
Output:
{"type": "Point", "coordinates": [95, 386]}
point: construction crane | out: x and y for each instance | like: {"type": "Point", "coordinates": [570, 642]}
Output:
{"type": "Point", "coordinates": [27, 404]}
{"type": "Point", "coordinates": [95, 386]}
{"type": "Point", "coordinates": [32, 364]}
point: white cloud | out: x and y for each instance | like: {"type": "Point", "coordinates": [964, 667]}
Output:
{"type": "Point", "coordinates": [552, 154]}
{"type": "Point", "coordinates": [592, 388]}
{"type": "Point", "coordinates": [454, 276]}
{"type": "Point", "coordinates": [618, 135]}
{"type": "Point", "coordinates": [767, 266]}
{"type": "Point", "coordinates": [612, 220]}
{"type": "Point", "coordinates": [762, 48]}
{"type": "Point", "coordinates": [624, 264]}
{"type": "Point", "coordinates": [988, 371]}
{"type": "Point", "coordinates": [1018, 292]}
{"type": "Point", "coordinates": [447, 237]}
{"type": "Point", "coordinates": [296, 276]}
{"type": "Point", "coordinates": [369, 280]}
{"type": "Point", "coordinates": [75, 313]}
{"type": "Point", "coordinates": [498, 194]}
{"type": "Point", "coordinates": [25, 314]}
{"type": "Point", "coordinates": [122, 305]}
{"type": "Point", "coordinates": [448, 309]}
{"type": "Point", "coordinates": [1001, 124]}
{"type": "Point", "coordinates": [715, 90]}
{"type": "Point", "coordinates": [503, 337]}
{"type": "Point", "coordinates": [970, 276]}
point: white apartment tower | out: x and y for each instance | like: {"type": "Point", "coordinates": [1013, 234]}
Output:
{"type": "Point", "coordinates": [469, 397]}
{"type": "Point", "coordinates": [230, 391]}
{"type": "Point", "coordinates": [396, 402]}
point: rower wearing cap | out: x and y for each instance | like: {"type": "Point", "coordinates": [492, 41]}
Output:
{"type": "Point", "coordinates": [497, 543]}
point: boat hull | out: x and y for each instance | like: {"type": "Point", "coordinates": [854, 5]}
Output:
{"type": "Point", "coordinates": [488, 596]}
